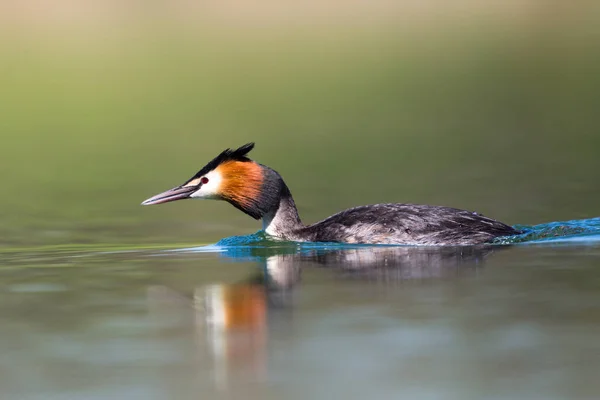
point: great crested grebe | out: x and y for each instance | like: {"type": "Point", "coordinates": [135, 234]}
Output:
{"type": "Point", "coordinates": [260, 192]}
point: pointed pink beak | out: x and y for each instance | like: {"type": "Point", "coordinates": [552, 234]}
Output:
{"type": "Point", "coordinates": [177, 193]}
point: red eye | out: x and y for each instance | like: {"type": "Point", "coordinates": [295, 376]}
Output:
{"type": "Point", "coordinates": [204, 180]}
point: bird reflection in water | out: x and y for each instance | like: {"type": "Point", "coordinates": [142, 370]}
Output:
{"type": "Point", "coordinates": [232, 321]}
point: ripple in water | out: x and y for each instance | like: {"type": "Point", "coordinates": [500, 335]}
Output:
{"type": "Point", "coordinates": [578, 230]}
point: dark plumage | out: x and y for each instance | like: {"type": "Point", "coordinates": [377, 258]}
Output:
{"type": "Point", "coordinates": [238, 154]}
{"type": "Point", "coordinates": [409, 224]}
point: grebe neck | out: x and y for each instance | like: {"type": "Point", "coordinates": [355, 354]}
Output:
{"type": "Point", "coordinates": [282, 219]}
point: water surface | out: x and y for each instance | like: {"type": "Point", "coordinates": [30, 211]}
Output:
{"type": "Point", "coordinates": [302, 321]}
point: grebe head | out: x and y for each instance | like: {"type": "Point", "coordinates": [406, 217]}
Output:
{"type": "Point", "coordinates": [233, 177]}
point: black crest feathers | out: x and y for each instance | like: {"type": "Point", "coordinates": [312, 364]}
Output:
{"type": "Point", "coordinates": [238, 154]}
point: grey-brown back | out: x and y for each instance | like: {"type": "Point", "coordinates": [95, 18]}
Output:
{"type": "Point", "coordinates": [409, 224]}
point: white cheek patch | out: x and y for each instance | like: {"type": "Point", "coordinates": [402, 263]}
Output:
{"type": "Point", "coordinates": [209, 190]}
{"type": "Point", "coordinates": [194, 182]}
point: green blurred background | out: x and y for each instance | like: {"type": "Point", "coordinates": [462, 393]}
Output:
{"type": "Point", "coordinates": [490, 106]}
